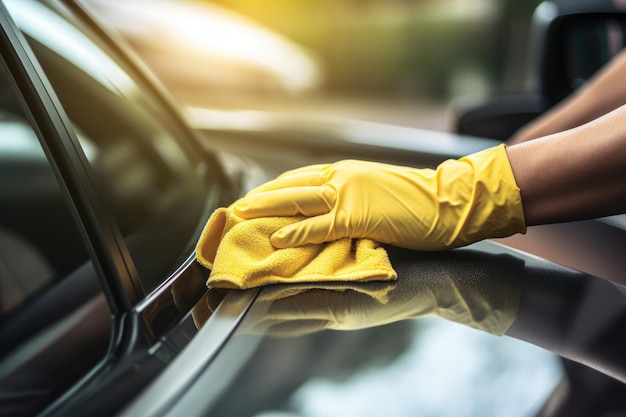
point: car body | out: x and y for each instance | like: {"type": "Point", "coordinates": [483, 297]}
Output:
{"type": "Point", "coordinates": [105, 188]}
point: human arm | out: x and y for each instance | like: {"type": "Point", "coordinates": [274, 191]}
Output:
{"type": "Point", "coordinates": [571, 175]}
{"type": "Point", "coordinates": [603, 93]}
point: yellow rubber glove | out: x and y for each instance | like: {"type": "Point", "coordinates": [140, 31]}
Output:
{"type": "Point", "coordinates": [461, 202]}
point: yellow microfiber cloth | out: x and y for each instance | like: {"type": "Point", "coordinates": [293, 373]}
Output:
{"type": "Point", "coordinates": [240, 255]}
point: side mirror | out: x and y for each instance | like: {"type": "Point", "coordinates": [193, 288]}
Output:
{"type": "Point", "coordinates": [577, 43]}
{"type": "Point", "coordinates": [570, 41]}
{"type": "Point", "coordinates": [498, 117]}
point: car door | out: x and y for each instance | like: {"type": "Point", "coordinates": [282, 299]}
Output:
{"type": "Point", "coordinates": [103, 197]}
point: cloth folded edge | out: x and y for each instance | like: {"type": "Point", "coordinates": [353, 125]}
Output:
{"type": "Point", "coordinates": [221, 223]}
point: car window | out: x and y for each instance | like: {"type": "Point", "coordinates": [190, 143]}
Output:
{"type": "Point", "coordinates": [143, 173]}
{"type": "Point", "coordinates": [39, 240]}
{"type": "Point", "coordinates": [52, 309]}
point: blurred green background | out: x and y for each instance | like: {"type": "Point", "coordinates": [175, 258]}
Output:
{"type": "Point", "coordinates": [426, 49]}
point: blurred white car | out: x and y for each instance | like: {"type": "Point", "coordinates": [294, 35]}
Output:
{"type": "Point", "coordinates": [199, 49]}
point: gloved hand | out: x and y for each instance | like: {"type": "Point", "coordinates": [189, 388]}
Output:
{"type": "Point", "coordinates": [461, 202]}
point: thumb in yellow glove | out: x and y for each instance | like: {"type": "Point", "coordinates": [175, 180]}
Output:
{"type": "Point", "coordinates": [460, 202]}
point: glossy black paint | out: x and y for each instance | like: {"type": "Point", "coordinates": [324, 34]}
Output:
{"type": "Point", "coordinates": [286, 341]}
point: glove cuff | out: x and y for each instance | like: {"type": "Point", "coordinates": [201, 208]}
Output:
{"type": "Point", "coordinates": [495, 208]}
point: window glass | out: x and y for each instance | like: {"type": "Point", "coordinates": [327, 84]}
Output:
{"type": "Point", "coordinates": [55, 324]}
{"type": "Point", "coordinates": [144, 176]}
{"type": "Point", "coordinates": [39, 240]}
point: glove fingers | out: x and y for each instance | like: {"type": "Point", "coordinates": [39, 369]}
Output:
{"type": "Point", "coordinates": [307, 201]}
{"type": "Point", "coordinates": [296, 178]}
{"type": "Point", "coordinates": [313, 230]}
